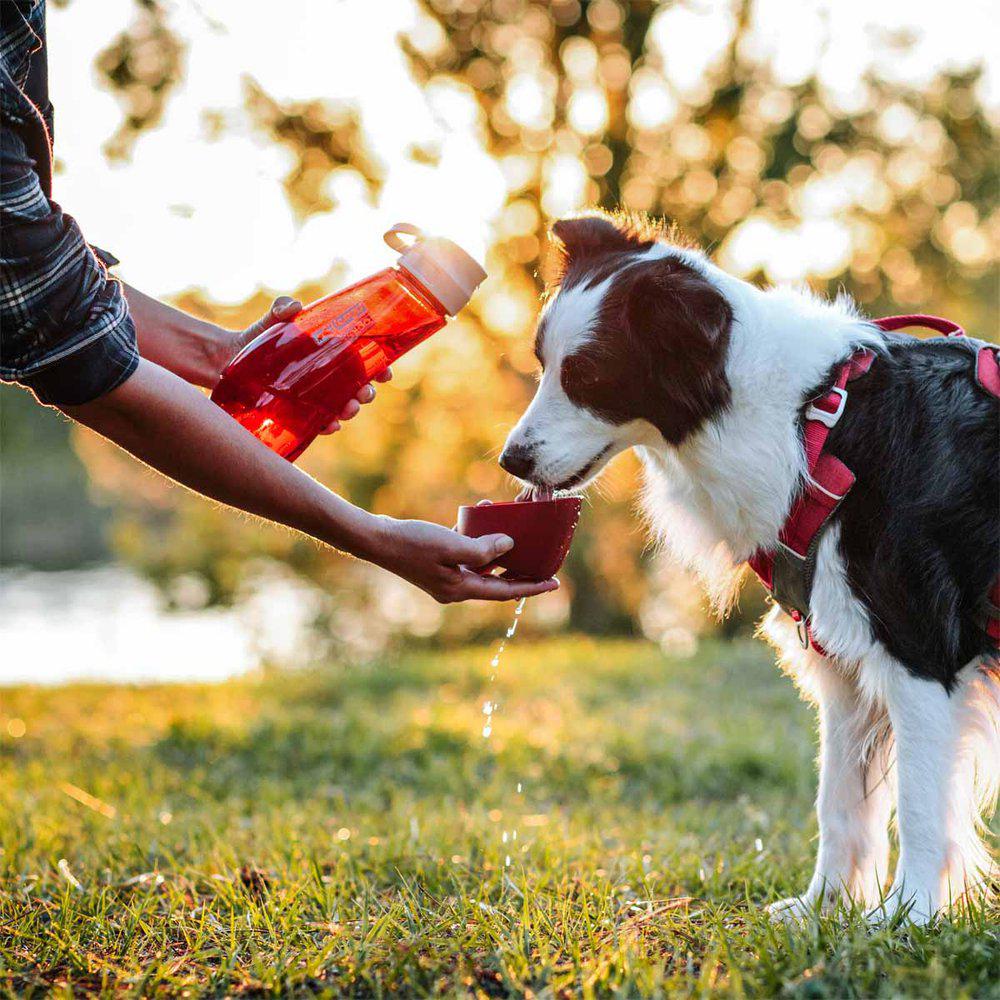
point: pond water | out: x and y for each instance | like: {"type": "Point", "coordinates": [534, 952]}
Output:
{"type": "Point", "coordinates": [107, 623]}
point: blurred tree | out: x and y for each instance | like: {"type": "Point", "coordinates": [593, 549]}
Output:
{"type": "Point", "coordinates": [854, 179]}
{"type": "Point", "coordinates": [142, 66]}
{"type": "Point", "coordinates": [890, 192]}
{"type": "Point", "coordinates": [324, 136]}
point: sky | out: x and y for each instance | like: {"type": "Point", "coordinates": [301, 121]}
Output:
{"type": "Point", "coordinates": [190, 211]}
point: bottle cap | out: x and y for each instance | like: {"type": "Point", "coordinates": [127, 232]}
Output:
{"type": "Point", "coordinates": [442, 267]}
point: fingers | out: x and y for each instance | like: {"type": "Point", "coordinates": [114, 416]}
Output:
{"type": "Point", "coordinates": [351, 409]}
{"type": "Point", "coordinates": [353, 406]}
{"type": "Point", "coordinates": [285, 307]}
{"type": "Point", "coordinates": [480, 552]}
{"type": "Point", "coordinates": [365, 394]}
{"type": "Point", "coordinates": [497, 588]}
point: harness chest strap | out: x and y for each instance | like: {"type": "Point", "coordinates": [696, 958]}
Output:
{"type": "Point", "coordinates": [787, 571]}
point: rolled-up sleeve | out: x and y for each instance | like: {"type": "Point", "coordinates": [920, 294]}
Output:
{"type": "Point", "coordinates": [65, 329]}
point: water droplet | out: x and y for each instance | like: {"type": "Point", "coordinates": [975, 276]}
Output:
{"type": "Point", "coordinates": [490, 705]}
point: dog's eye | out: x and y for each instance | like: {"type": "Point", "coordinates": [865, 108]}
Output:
{"type": "Point", "coordinates": [580, 373]}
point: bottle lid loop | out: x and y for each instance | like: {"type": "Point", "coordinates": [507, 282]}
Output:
{"type": "Point", "coordinates": [394, 236]}
{"type": "Point", "coordinates": [443, 268]}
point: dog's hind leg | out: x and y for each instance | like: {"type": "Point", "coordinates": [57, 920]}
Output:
{"type": "Point", "coordinates": [872, 861]}
{"type": "Point", "coordinates": [973, 790]}
{"type": "Point", "coordinates": [852, 804]}
{"type": "Point", "coordinates": [927, 722]}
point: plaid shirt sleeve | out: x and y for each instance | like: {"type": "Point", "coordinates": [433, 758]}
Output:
{"type": "Point", "coordinates": [65, 330]}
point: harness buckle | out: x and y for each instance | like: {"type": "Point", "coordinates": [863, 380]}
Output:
{"type": "Point", "coordinates": [802, 628]}
{"type": "Point", "coordinates": [826, 417]}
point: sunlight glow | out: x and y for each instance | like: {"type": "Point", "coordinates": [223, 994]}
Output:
{"type": "Point", "coordinates": [527, 102]}
{"type": "Point", "coordinates": [198, 209]}
{"type": "Point", "coordinates": [194, 211]}
{"type": "Point", "coordinates": [588, 110]}
{"type": "Point", "coordinates": [821, 247]}
{"type": "Point", "coordinates": [653, 103]}
{"type": "Point", "coordinates": [565, 186]}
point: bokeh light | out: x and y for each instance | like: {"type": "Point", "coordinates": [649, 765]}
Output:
{"type": "Point", "coordinates": [842, 144]}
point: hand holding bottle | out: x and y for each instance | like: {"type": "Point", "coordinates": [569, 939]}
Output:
{"type": "Point", "coordinates": [296, 376]}
{"type": "Point", "coordinates": [283, 309]}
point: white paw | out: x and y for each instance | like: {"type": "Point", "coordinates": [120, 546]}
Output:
{"type": "Point", "coordinates": [903, 904]}
{"type": "Point", "coordinates": [792, 910]}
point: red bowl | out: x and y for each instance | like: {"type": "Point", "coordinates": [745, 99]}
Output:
{"type": "Point", "coordinates": [542, 531]}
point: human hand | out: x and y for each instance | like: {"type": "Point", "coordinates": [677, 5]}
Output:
{"type": "Point", "coordinates": [283, 310]}
{"type": "Point", "coordinates": [449, 566]}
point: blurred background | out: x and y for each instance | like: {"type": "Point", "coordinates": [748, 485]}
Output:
{"type": "Point", "coordinates": [227, 155]}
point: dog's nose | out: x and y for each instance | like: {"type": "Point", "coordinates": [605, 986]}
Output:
{"type": "Point", "coordinates": [517, 460]}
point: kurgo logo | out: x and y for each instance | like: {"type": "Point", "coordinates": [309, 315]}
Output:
{"type": "Point", "coordinates": [350, 323]}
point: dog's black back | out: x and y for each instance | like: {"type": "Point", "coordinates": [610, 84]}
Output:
{"type": "Point", "coordinates": [920, 530]}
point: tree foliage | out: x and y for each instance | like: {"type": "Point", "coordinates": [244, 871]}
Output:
{"type": "Point", "coordinates": [878, 186]}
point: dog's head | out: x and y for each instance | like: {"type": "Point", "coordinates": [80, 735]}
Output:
{"type": "Point", "coordinates": [632, 343]}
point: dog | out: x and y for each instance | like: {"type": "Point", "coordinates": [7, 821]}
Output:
{"type": "Point", "coordinates": [644, 343]}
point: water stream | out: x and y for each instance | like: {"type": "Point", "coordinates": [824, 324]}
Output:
{"type": "Point", "coordinates": [491, 705]}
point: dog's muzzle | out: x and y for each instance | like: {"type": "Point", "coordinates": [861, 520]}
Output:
{"type": "Point", "coordinates": [518, 460]}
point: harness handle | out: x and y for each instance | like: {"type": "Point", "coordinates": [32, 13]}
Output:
{"type": "Point", "coordinates": [946, 326]}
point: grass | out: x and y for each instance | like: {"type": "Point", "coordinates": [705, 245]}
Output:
{"type": "Point", "coordinates": [342, 833]}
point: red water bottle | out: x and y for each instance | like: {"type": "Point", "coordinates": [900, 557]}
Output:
{"type": "Point", "coordinates": [295, 378]}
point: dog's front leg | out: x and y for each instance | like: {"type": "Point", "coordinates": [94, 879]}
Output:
{"type": "Point", "coordinates": [925, 723]}
{"type": "Point", "coordinates": [852, 804]}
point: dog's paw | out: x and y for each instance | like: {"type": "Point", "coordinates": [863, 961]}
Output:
{"type": "Point", "coordinates": [792, 910]}
{"type": "Point", "coordinates": [902, 906]}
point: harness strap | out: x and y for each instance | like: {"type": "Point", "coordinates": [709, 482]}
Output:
{"type": "Point", "coordinates": [988, 377]}
{"type": "Point", "coordinates": [787, 571]}
{"type": "Point", "coordinates": [990, 613]}
{"type": "Point", "coordinates": [988, 370]}
{"type": "Point", "coordinates": [937, 323]}
{"type": "Point", "coordinates": [827, 482]}
{"type": "Point", "coordinates": [987, 360]}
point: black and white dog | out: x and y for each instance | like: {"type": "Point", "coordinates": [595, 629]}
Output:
{"type": "Point", "coordinates": [646, 344]}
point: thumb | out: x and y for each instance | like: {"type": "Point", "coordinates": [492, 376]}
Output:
{"type": "Point", "coordinates": [485, 549]}
{"type": "Point", "coordinates": [284, 307]}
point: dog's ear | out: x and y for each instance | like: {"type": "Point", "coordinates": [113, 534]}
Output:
{"type": "Point", "coordinates": [575, 239]}
{"type": "Point", "coordinates": [679, 323]}
{"type": "Point", "coordinates": [587, 234]}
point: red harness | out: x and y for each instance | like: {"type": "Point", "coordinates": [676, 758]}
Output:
{"type": "Point", "coordinates": [787, 571]}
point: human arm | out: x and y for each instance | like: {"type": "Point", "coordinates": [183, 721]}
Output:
{"type": "Point", "coordinates": [192, 348]}
{"type": "Point", "coordinates": [171, 426]}
{"type": "Point", "coordinates": [69, 337]}
{"type": "Point", "coordinates": [198, 351]}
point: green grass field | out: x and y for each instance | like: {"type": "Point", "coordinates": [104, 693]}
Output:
{"type": "Point", "coordinates": [342, 832]}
